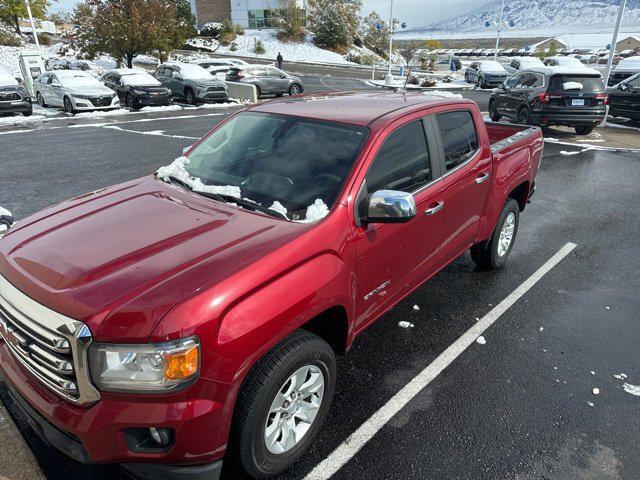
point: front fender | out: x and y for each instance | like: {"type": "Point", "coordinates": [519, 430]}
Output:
{"type": "Point", "coordinates": [259, 321]}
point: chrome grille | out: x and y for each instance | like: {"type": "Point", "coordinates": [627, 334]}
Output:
{"type": "Point", "coordinates": [8, 97]}
{"type": "Point", "coordinates": [51, 346]}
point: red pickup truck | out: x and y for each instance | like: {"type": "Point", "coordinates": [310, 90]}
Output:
{"type": "Point", "coordinates": [196, 314]}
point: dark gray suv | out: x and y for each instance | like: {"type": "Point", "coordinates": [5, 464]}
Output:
{"type": "Point", "coordinates": [268, 80]}
{"type": "Point", "coordinates": [191, 82]}
{"type": "Point", "coordinates": [14, 97]}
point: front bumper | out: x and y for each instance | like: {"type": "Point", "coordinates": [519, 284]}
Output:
{"type": "Point", "coordinates": [568, 118]}
{"type": "Point", "coordinates": [17, 106]}
{"type": "Point", "coordinates": [153, 100]}
{"type": "Point", "coordinates": [96, 434]}
{"type": "Point", "coordinates": [212, 96]}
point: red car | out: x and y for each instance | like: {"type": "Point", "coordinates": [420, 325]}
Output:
{"type": "Point", "coordinates": [196, 314]}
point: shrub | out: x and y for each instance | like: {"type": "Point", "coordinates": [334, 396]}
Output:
{"type": "Point", "coordinates": [211, 29]}
{"type": "Point", "coordinates": [233, 47]}
{"type": "Point", "coordinates": [227, 32]}
{"type": "Point", "coordinates": [9, 39]}
{"type": "Point", "coordinates": [239, 29]}
{"type": "Point", "coordinates": [45, 39]}
{"type": "Point", "coordinates": [258, 47]}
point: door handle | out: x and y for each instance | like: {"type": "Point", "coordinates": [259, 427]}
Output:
{"type": "Point", "coordinates": [482, 178]}
{"type": "Point", "coordinates": [434, 210]}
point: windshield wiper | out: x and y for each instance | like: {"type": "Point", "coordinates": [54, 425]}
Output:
{"type": "Point", "coordinates": [249, 205]}
{"type": "Point", "coordinates": [175, 179]}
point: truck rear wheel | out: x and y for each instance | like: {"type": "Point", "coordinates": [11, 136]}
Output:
{"type": "Point", "coordinates": [282, 405]}
{"type": "Point", "coordinates": [494, 253]}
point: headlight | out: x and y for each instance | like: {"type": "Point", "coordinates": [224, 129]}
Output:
{"type": "Point", "coordinates": [83, 97]}
{"type": "Point", "coordinates": [201, 85]}
{"type": "Point", "coordinates": [139, 92]}
{"type": "Point", "coordinates": [150, 368]}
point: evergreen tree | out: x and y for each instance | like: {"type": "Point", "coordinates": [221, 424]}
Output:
{"type": "Point", "coordinates": [334, 22]}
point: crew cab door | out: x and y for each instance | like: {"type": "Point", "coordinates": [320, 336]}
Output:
{"type": "Point", "coordinates": [392, 258]}
{"type": "Point", "coordinates": [467, 167]}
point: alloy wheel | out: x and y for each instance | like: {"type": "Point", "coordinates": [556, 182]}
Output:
{"type": "Point", "coordinates": [506, 234]}
{"type": "Point", "coordinates": [294, 90]}
{"type": "Point", "coordinates": [294, 409]}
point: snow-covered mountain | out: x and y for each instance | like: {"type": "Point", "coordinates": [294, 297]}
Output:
{"type": "Point", "coordinates": [536, 14]}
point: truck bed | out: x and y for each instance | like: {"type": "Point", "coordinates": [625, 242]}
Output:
{"type": "Point", "coordinates": [503, 135]}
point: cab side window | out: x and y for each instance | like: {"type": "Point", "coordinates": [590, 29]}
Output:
{"type": "Point", "coordinates": [459, 137]}
{"type": "Point", "coordinates": [513, 81]}
{"type": "Point", "coordinates": [402, 163]}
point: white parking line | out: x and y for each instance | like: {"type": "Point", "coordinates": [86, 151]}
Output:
{"type": "Point", "coordinates": [341, 455]}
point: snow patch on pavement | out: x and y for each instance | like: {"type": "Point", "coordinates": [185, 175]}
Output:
{"type": "Point", "coordinates": [632, 389]}
{"type": "Point", "coordinates": [481, 340]}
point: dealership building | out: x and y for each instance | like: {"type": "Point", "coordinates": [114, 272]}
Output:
{"type": "Point", "coordinates": [248, 13]}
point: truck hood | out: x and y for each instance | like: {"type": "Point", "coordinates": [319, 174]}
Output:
{"type": "Point", "coordinates": [120, 258]}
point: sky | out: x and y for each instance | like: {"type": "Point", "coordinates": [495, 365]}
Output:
{"type": "Point", "coordinates": [415, 13]}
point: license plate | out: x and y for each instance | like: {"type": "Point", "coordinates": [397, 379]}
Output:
{"type": "Point", "coordinates": [577, 102]}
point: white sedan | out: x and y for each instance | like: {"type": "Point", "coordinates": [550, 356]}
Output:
{"type": "Point", "coordinates": [74, 90]}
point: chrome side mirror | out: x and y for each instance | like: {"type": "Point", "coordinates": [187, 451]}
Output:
{"type": "Point", "coordinates": [391, 206]}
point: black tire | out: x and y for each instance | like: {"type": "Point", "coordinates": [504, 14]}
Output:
{"type": "Point", "coordinates": [68, 106]}
{"type": "Point", "coordinates": [524, 116]}
{"type": "Point", "coordinates": [249, 451]}
{"type": "Point", "coordinates": [40, 100]}
{"type": "Point", "coordinates": [485, 254]}
{"type": "Point", "coordinates": [466, 77]}
{"type": "Point", "coordinates": [28, 113]}
{"type": "Point", "coordinates": [584, 130]}
{"type": "Point", "coordinates": [480, 82]}
{"type": "Point", "coordinates": [190, 96]}
{"type": "Point", "coordinates": [493, 111]}
{"type": "Point", "coordinates": [295, 89]}
{"type": "Point", "coordinates": [129, 102]}
{"type": "Point", "coordinates": [258, 92]}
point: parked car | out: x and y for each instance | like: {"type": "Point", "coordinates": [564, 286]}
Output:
{"type": "Point", "coordinates": [75, 91]}
{"type": "Point", "coordinates": [454, 60]}
{"type": "Point", "coordinates": [192, 83]}
{"type": "Point", "coordinates": [216, 65]}
{"type": "Point", "coordinates": [267, 80]}
{"type": "Point", "coordinates": [521, 63]}
{"type": "Point", "coordinates": [559, 61]}
{"type": "Point", "coordinates": [216, 326]}
{"type": "Point", "coordinates": [14, 97]}
{"type": "Point", "coordinates": [624, 98]}
{"type": "Point", "coordinates": [486, 73]}
{"type": "Point", "coordinates": [627, 53]}
{"type": "Point", "coordinates": [547, 96]}
{"type": "Point", "coordinates": [626, 68]}
{"type": "Point", "coordinates": [137, 88]}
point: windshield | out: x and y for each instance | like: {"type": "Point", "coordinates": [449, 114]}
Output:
{"type": "Point", "coordinates": [588, 84]}
{"type": "Point", "coordinates": [194, 72]}
{"type": "Point", "coordinates": [138, 79]}
{"type": "Point", "coordinates": [79, 80]}
{"type": "Point", "coordinates": [292, 165]}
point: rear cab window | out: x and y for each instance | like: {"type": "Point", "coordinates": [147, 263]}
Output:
{"type": "Point", "coordinates": [459, 137]}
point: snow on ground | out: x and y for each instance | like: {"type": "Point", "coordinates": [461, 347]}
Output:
{"type": "Point", "coordinates": [399, 83]}
{"type": "Point", "coordinates": [632, 389]}
{"type": "Point", "coordinates": [291, 51]}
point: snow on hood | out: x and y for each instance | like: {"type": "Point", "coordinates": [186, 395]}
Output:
{"type": "Point", "coordinates": [177, 169]}
{"type": "Point", "coordinates": [80, 81]}
{"type": "Point", "coordinates": [631, 63]}
{"type": "Point", "coordinates": [572, 86]}
{"type": "Point", "coordinates": [6, 80]}
{"type": "Point", "coordinates": [492, 67]}
{"type": "Point", "coordinates": [139, 79]}
{"type": "Point", "coordinates": [191, 71]}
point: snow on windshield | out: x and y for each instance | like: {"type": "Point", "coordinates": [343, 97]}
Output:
{"type": "Point", "coordinates": [194, 72]}
{"type": "Point", "coordinates": [6, 79]}
{"type": "Point", "coordinates": [79, 79]}
{"type": "Point", "coordinates": [531, 62]}
{"type": "Point", "coordinates": [139, 79]}
{"type": "Point", "coordinates": [177, 169]}
{"type": "Point", "coordinates": [316, 211]}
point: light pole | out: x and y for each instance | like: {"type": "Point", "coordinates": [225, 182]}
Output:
{"type": "Point", "coordinates": [612, 50]}
{"type": "Point", "coordinates": [495, 57]}
{"type": "Point", "coordinates": [33, 27]}
{"type": "Point", "coordinates": [390, 34]}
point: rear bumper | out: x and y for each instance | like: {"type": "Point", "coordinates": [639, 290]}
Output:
{"type": "Point", "coordinates": [97, 434]}
{"type": "Point", "coordinates": [568, 117]}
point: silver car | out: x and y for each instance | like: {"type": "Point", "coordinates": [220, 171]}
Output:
{"type": "Point", "coordinates": [268, 80]}
{"type": "Point", "coordinates": [74, 90]}
{"type": "Point", "coordinates": [191, 82]}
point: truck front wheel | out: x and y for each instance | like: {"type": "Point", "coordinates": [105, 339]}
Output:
{"type": "Point", "coordinates": [282, 405]}
{"type": "Point", "coordinates": [494, 253]}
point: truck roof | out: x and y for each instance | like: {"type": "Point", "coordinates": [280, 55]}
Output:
{"type": "Point", "coordinates": [358, 108]}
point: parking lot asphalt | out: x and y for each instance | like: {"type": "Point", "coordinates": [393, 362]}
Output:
{"type": "Point", "coordinates": [520, 406]}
